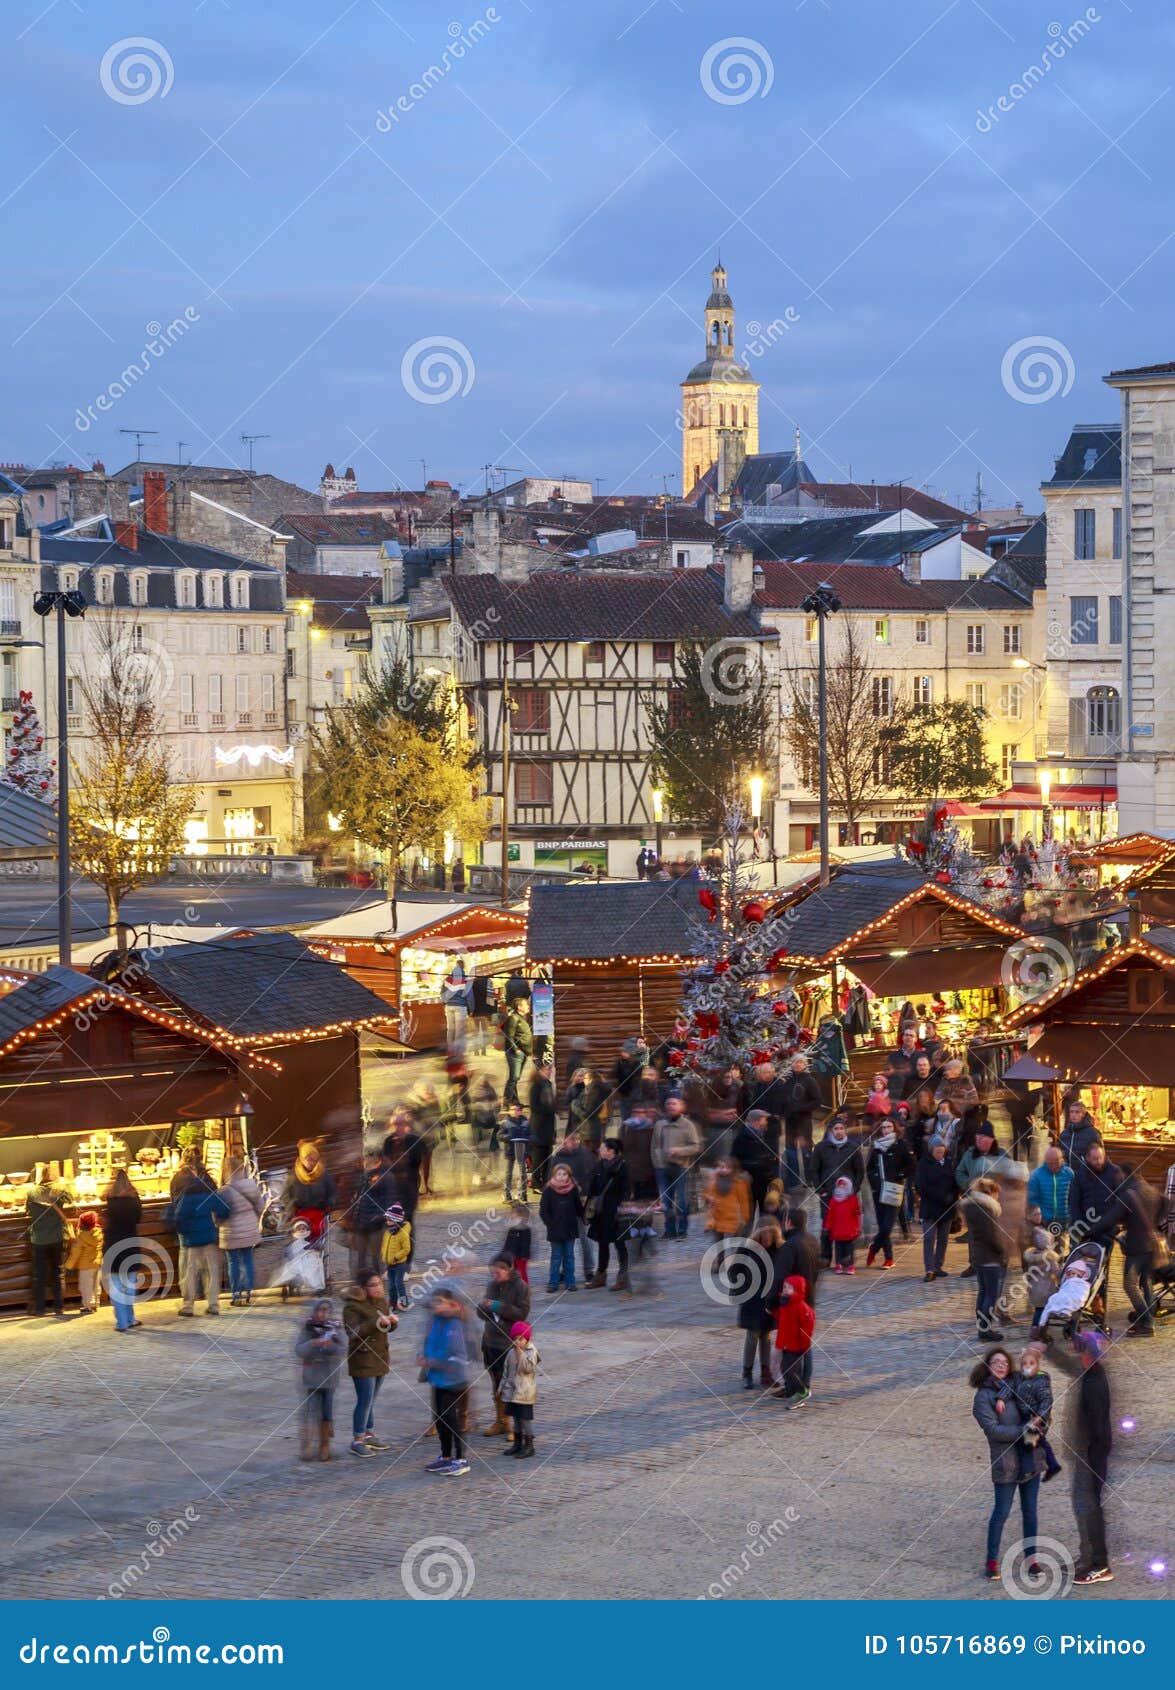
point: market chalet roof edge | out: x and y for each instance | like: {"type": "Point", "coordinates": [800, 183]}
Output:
{"type": "Point", "coordinates": [1157, 945]}
{"type": "Point", "coordinates": [48, 998]}
{"type": "Point", "coordinates": [827, 920]}
{"type": "Point", "coordinates": [621, 921]}
{"type": "Point", "coordinates": [263, 988]}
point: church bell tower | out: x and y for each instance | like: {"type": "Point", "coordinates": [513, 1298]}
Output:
{"type": "Point", "coordinates": [719, 400]}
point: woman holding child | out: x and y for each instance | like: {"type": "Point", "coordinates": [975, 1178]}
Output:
{"type": "Point", "coordinates": [1012, 1406]}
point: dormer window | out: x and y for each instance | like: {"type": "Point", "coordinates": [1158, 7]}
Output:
{"type": "Point", "coordinates": [241, 592]}
{"type": "Point", "coordinates": [138, 587]}
{"type": "Point", "coordinates": [187, 590]}
{"type": "Point", "coordinates": [104, 586]}
{"type": "Point", "coordinates": [69, 580]}
{"type": "Point", "coordinates": [214, 590]}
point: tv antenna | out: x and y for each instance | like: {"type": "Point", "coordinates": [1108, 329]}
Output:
{"type": "Point", "coordinates": [249, 440]}
{"type": "Point", "coordinates": [140, 435]}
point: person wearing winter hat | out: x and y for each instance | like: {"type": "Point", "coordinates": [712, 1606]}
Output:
{"type": "Point", "coordinates": [396, 1250]}
{"type": "Point", "coordinates": [520, 1388]}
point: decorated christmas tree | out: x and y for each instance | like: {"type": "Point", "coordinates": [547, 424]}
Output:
{"type": "Point", "coordinates": [734, 1015]}
{"type": "Point", "coordinates": [938, 848]}
{"type": "Point", "coordinates": [27, 765]}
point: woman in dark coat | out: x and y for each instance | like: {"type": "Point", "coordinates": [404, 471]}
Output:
{"type": "Point", "coordinates": [608, 1189]}
{"type": "Point", "coordinates": [988, 1252]}
{"type": "Point", "coordinates": [756, 1321]}
{"type": "Point", "coordinates": [1014, 1467]}
{"type": "Point", "coordinates": [890, 1162]}
{"type": "Point", "coordinates": [121, 1249]}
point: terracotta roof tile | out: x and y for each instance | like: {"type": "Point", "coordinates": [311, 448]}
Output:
{"type": "Point", "coordinates": [590, 605]}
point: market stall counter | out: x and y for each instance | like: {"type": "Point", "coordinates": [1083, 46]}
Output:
{"type": "Point", "coordinates": [92, 1079]}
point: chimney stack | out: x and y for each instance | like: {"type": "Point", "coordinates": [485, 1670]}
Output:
{"type": "Point", "coordinates": [127, 534]}
{"type": "Point", "coordinates": [738, 586]}
{"type": "Point", "coordinates": [155, 501]}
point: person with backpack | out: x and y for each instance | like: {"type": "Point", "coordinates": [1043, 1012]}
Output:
{"type": "Point", "coordinates": [45, 1207]}
{"type": "Point", "coordinates": [196, 1215]}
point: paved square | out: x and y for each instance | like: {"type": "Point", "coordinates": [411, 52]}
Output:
{"type": "Point", "coordinates": [164, 1464]}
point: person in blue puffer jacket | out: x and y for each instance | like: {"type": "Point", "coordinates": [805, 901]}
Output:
{"type": "Point", "coordinates": [195, 1214]}
{"type": "Point", "coordinates": [1048, 1191]}
{"type": "Point", "coordinates": [444, 1363]}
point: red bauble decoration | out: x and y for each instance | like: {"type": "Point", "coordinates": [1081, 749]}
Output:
{"type": "Point", "coordinates": [940, 817]}
{"type": "Point", "coordinates": [693, 1044]}
{"type": "Point", "coordinates": [779, 1008]}
{"type": "Point", "coordinates": [754, 911]}
{"type": "Point", "coordinates": [708, 901]}
{"type": "Point", "coordinates": [44, 786]}
{"type": "Point", "coordinates": [721, 966]}
{"type": "Point", "coordinates": [942, 877]}
{"type": "Point", "coordinates": [676, 1058]}
{"type": "Point", "coordinates": [776, 959]}
{"type": "Point", "coordinates": [916, 848]}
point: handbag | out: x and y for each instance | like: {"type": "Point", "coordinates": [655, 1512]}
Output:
{"type": "Point", "coordinates": [892, 1192]}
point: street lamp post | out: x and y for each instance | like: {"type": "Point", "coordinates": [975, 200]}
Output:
{"type": "Point", "coordinates": [65, 604]}
{"type": "Point", "coordinates": [658, 818]}
{"type": "Point", "coordinates": [822, 603]}
{"type": "Point", "coordinates": [1046, 815]}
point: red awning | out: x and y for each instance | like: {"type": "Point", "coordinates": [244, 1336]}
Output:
{"type": "Point", "coordinates": [1060, 798]}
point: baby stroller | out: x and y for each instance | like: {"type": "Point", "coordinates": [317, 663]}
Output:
{"type": "Point", "coordinates": [1093, 1313]}
{"type": "Point", "coordinates": [303, 1268]}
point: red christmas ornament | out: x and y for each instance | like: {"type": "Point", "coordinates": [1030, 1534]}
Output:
{"type": "Point", "coordinates": [940, 817]}
{"type": "Point", "coordinates": [807, 1036]}
{"type": "Point", "coordinates": [779, 1008]}
{"type": "Point", "coordinates": [676, 1058]}
{"type": "Point", "coordinates": [942, 877]}
{"type": "Point", "coordinates": [775, 960]}
{"type": "Point", "coordinates": [916, 848]}
{"type": "Point", "coordinates": [721, 966]}
{"type": "Point", "coordinates": [754, 911]}
{"type": "Point", "coordinates": [708, 902]}
{"type": "Point", "coordinates": [693, 1044]}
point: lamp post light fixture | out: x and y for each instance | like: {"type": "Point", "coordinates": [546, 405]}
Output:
{"type": "Point", "coordinates": [822, 603]}
{"type": "Point", "coordinates": [1045, 779]}
{"type": "Point", "coordinates": [658, 796]}
{"type": "Point", "coordinates": [71, 603]}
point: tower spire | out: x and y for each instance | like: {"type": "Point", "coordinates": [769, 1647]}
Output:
{"type": "Point", "coordinates": [797, 445]}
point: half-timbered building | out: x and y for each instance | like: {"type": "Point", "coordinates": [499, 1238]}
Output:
{"type": "Point", "coordinates": [573, 657]}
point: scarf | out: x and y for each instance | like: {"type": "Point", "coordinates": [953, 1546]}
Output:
{"type": "Point", "coordinates": [884, 1141]}
{"type": "Point", "coordinates": [303, 1172]}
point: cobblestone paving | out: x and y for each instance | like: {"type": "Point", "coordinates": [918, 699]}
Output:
{"type": "Point", "coordinates": [163, 1464]}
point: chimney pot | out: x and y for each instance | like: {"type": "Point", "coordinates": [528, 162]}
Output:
{"type": "Point", "coordinates": [127, 534]}
{"type": "Point", "coordinates": [155, 501]}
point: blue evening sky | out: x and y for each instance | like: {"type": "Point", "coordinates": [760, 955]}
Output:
{"type": "Point", "coordinates": [552, 203]}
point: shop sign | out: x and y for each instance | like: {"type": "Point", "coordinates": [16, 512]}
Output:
{"type": "Point", "coordinates": [826, 1054]}
{"type": "Point", "coordinates": [542, 1007]}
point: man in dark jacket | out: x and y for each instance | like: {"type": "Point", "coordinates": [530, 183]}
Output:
{"type": "Point", "coordinates": [377, 1189]}
{"type": "Point", "coordinates": [754, 1154]}
{"type": "Point", "coordinates": [506, 1299]}
{"type": "Point", "coordinates": [934, 1181]}
{"type": "Point", "coordinates": [765, 1092]}
{"type": "Point", "coordinates": [45, 1207]}
{"type": "Point", "coordinates": [989, 1256]}
{"type": "Point", "coordinates": [543, 1122]}
{"type": "Point", "coordinates": [1094, 1209]}
{"type": "Point", "coordinates": [1139, 1205]}
{"type": "Point", "coordinates": [800, 1095]}
{"type": "Point", "coordinates": [900, 1065]}
{"type": "Point", "coordinates": [1090, 1437]}
{"type": "Point", "coordinates": [837, 1155]}
{"type": "Point", "coordinates": [580, 1160]}
{"type": "Point", "coordinates": [1078, 1133]}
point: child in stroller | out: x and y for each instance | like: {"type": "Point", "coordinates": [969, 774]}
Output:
{"type": "Point", "coordinates": [1079, 1298]}
{"type": "Point", "coordinates": [303, 1267]}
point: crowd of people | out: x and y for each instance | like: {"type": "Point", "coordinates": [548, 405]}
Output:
{"type": "Point", "coordinates": [598, 1162]}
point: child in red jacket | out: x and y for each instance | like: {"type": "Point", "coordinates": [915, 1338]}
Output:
{"type": "Point", "coordinates": [843, 1224]}
{"type": "Point", "coordinates": [795, 1323]}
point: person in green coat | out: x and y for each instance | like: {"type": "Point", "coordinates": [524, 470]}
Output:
{"type": "Point", "coordinates": [45, 1207]}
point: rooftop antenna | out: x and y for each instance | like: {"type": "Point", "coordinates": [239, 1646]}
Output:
{"type": "Point", "coordinates": [140, 435]}
{"type": "Point", "coordinates": [423, 472]}
{"type": "Point", "coordinates": [797, 443]}
{"type": "Point", "coordinates": [179, 452]}
{"type": "Point", "coordinates": [249, 440]}
{"type": "Point", "coordinates": [979, 492]}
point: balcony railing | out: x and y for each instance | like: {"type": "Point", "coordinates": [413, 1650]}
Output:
{"type": "Point", "coordinates": [10, 628]}
{"type": "Point", "coordinates": [10, 701]}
